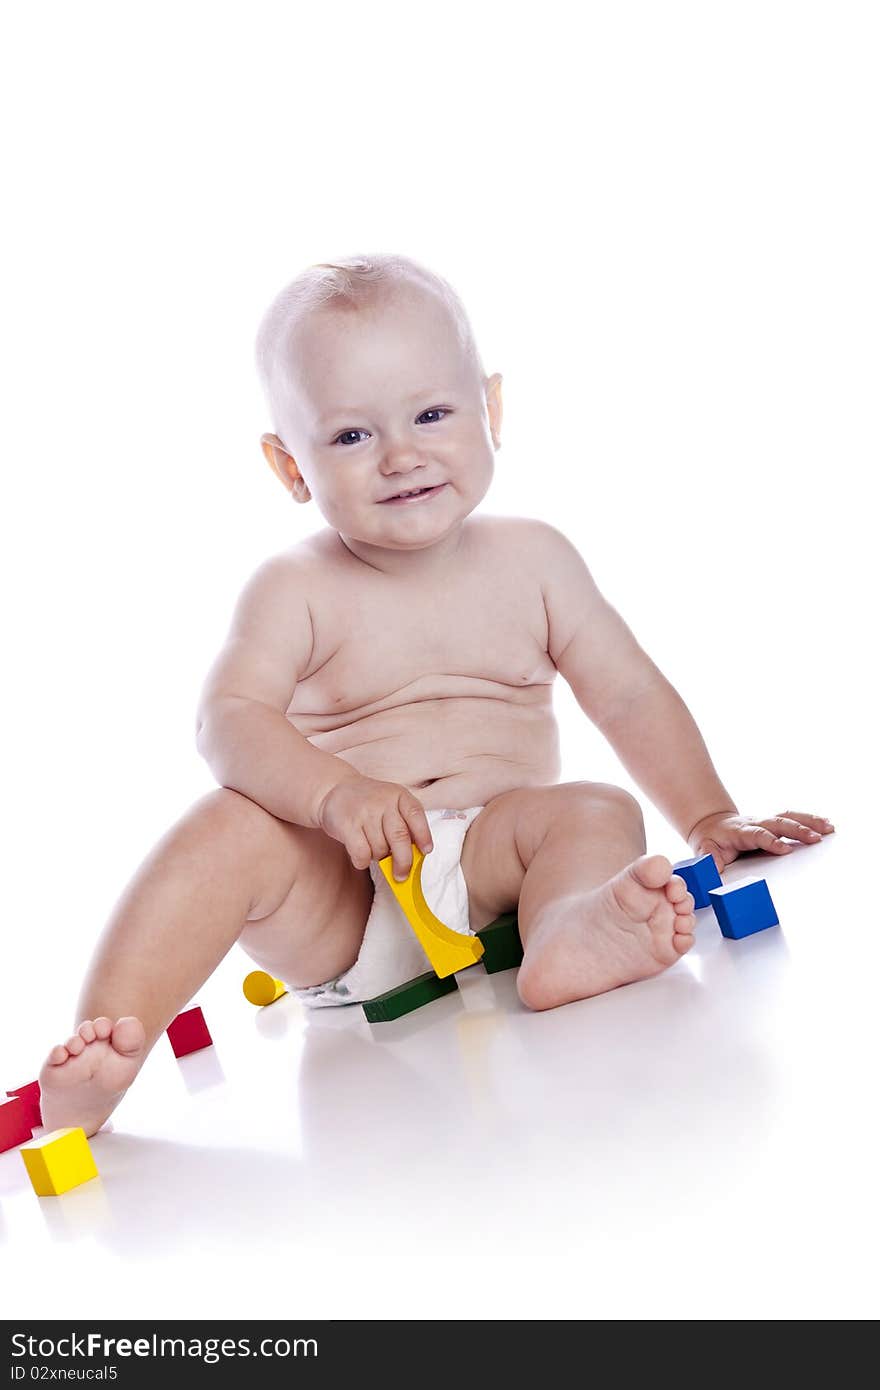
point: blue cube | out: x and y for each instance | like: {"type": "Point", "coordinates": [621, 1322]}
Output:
{"type": "Point", "coordinates": [743, 908]}
{"type": "Point", "coordinates": [700, 875]}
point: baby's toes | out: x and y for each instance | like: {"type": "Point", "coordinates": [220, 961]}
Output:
{"type": "Point", "coordinates": [682, 941]}
{"type": "Point", "coordinates": [676, 889]}
{"type": "Point", "coordinates": [662, 925]}
{"type": "Point", "coordinates": [103, 1027]}
{"type": "Point", "coordinates": [58, 1055]}
{"type": "Point", "coordinates": [684, 924]}
{"type": "Point", "coordinates": [685, 906]}
{"type": "Point", "coordinates": [86, 1031]}
{"type": "Point", "coordinates": [662, 917]}
{"type": "Point", "coordinates": [651, 871]}
{"type": "Point", "coordinates": [75, 1045]}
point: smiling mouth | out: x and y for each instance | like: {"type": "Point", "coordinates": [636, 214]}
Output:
{"type": "Point", "coordinates": [414, 495]}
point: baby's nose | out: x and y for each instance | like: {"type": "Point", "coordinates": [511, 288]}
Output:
{"type": "Point", "coordinates": [400, 457]}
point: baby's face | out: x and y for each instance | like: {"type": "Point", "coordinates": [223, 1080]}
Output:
{"type": "Point", "coordinates": [383, 400]}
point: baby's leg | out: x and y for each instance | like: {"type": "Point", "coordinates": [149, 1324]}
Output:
{"type": "Point", "coordinates": [227, 869]}
{"type": "Point", "coordinates": [594, 910]}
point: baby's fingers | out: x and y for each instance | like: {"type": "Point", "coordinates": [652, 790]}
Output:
{"type": "Point", "coordinates": [399, 841]}
{"type": "Point", "coordinates": [759, 837]}
{"type": "Point", "coordinates": [793, 827]}
{"type": "Point", "coordinates": [817, 823]}
{"type": "Point", "coordinates": [414, 815]}
{"type": "Point", "coordinates": [404, 827]}
{"type": "Point", "coordinates": [359, 850]}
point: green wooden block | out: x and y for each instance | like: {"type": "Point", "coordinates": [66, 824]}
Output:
{"type": "Point", "coordinates": [503, 948]}
{"type": "Point", "coordinates": [405, 998]}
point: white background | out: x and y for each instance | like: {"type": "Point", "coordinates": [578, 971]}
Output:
{"type": "Point", "coordinates": [663, 220]}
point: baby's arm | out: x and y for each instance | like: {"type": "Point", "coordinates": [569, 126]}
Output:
{"type": "Point", "coordinates": [644, 718]}
{"type": "Point", "coordinates": [242, 730]}
{"type": "Point", "coordinates": [251, 747]}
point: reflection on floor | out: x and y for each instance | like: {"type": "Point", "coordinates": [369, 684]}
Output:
{"type": "Point", "coordinates": [688, 1124]}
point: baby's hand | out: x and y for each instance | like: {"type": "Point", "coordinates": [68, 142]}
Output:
{"type": "Point", "coordinates": [374, 819]}
{"type": "Point", "coordinates": [726, 835]}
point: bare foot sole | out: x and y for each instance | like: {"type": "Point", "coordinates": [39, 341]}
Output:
{"type": "Point", "coordinates": [84, 1079]}
{"type": "Point", "coordinates": [638, 923]}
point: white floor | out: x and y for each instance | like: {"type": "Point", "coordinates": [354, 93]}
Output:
{"type": "Point", "coordinates": [699, 1145]}
{"type": "Point", "coordinates": [687, 334]}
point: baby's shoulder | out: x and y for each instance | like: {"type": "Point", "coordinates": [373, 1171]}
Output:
{"type": "Point", "coordinates": [534, 541]}
{"type": "Point", "coordinates": [280, 585]}
{"type": "Point", "coordinates": [299, 563]}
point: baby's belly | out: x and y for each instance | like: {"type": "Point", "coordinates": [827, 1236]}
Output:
{"type": "Point", "coordinates": [451, 752]}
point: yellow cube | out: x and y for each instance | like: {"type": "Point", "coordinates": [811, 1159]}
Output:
{"type": "Point", "coordinates": [58, 1161]}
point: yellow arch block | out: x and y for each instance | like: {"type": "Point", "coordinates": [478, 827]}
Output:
{"type": "Point", "coordinates": [261, 988]}
{"type": "Point", "coordinates": [447, 950]}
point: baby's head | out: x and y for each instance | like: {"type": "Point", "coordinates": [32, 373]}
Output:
{"type": "Point", "coordinates": [376, 387]}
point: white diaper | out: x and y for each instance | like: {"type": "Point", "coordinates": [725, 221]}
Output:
{"type": "Point", "coordinates": [390, 952]}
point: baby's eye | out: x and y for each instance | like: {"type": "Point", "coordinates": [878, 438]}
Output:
{"type": "Point", "coordinates": [343, 438]}
{"type": "Point", "coordinates": [435, 410]}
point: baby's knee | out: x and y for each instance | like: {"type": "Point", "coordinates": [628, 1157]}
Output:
{"type": "Point", "coordinates": [226, 813]}
{"type": "Point", "coordinates": [624, 803]}
{"type": "Point", "coordinates": [610, 801]}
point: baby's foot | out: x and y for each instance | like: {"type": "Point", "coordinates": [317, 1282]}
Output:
{"type": "Point", "coordinates": [633, 926]}
{"type": "Point", "coordinates": [85, 1078]}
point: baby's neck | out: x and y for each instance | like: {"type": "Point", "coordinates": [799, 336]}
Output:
{"type": "Point", "coordinates": [408, 564]}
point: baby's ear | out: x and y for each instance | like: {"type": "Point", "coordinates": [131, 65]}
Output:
{"type": "Point", "coordinates": [284, 467]}
{"type": "Point", "coordinates": [494, 406]}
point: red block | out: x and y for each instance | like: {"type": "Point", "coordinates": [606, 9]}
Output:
{"type": "Point", "coordinates": [30, 1094]}
{"type": "Point", "coordinates": [189, 1032]}
{"type": "Point", "coordinates": [14, 1128]}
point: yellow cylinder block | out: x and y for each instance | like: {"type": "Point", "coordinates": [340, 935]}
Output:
{"type": "Point", "coordinates": [261, 988]}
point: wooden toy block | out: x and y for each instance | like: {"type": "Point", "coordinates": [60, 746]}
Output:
{"type": "Point", "coordinates": [261, 988]}
{"type": "Point", "coordinates": [405, 998]}
{"type": "Point", "coordinates": [30, 1094]}
{"type": "Point", "coordinates": [743, 908]}
{"type": "Point", "coordinates": [700, 874]}
{"type": "Point", "coordinates": [502, 945]}
{"type": "Point", "coordinates": [447, 950]}
{"type": "Point", "coordinates": [14, 1127]}
{"type": "Point", "coordinates": [58, 1161]}
{"type": "Point", "coordinates": [189, 1032]}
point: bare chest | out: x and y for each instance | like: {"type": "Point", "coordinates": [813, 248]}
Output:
{"type": "Point", "coordinates": [382, 644]}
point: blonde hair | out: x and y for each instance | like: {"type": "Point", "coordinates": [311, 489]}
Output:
{"type": "Point", "coordinates": [347, 283]}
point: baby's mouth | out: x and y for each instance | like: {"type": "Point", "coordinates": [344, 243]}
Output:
{"type": "Point", "coordinates": [415, 494]}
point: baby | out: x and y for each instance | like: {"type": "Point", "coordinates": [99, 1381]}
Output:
{"type": "Point", "coordinates": [388, 681]}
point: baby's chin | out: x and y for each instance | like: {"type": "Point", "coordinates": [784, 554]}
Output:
{"type": "Point", "coordinates": [400, 536]}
